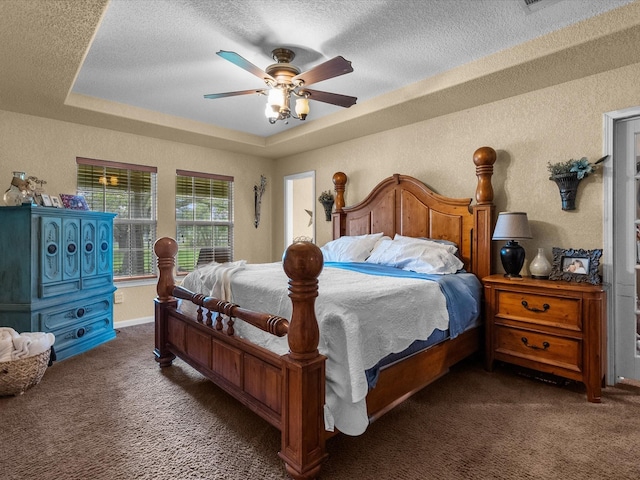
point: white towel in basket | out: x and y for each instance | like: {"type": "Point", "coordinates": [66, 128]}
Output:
{"type": "Point", "coordinates": [14, 345]}
{"type": "Point", "coordinates": [7, 335]}
{"type": "Point", "coordinates": [35, 343]}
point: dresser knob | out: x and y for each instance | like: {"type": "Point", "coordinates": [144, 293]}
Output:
{"type": "Point", "coordinates": [544, 308]}
{"type": "Point", "coordinates": [80, 332]}
{"type": "Point", "coordinates": [544, 346]}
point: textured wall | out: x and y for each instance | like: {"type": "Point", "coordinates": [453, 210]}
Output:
{"type": "Point", "coordinates": [48, 149]}
{"type": "Point", "coordinates": [529, 130]}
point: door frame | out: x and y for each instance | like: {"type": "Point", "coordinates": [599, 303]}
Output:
{"type": "Point", "coordinates": [288, 207]}
{"type": "Point", "coordinates": [609, 120]}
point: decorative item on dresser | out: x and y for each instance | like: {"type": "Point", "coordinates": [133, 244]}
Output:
{"type": "Point", "coordinates": [540, 267]}
{"type": "Point", "coordinates": [576, 265]}
{"type": "Point", "coordinates": [553, 327]}
{"type": "Point", "coordinates": [512, 226]}
{"type": "Point", "coordinates": [288, 389]}
{"type": "Point", "coordinates": [58, 277]}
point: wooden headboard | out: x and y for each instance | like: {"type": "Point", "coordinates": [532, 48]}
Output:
{"type": "Point", "coordinates": [404, 205]}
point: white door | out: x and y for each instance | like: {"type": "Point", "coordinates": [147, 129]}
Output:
{"type": "Point", "coordinates": [626, 242]}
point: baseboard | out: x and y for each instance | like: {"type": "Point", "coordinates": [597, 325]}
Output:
{"type": "Point", "coordinates": [132, 322]}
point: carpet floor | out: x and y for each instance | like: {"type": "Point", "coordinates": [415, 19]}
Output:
{"type": "Point", "coordinates": [112, 413]}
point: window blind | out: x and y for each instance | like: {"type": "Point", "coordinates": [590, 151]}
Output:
{"type": "Point", "coordinates": [204, 219]}
{"type": "Point", "coordinates": [129, 191]}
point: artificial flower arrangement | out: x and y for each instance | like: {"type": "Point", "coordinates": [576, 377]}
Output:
{"type": "Point", "coordinates": [326, 197]}
{"type": "Point", "coordinates": [581, 167]}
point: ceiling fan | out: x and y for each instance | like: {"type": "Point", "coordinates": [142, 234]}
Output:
{"type": "Point", "coordinates": [285, 80]}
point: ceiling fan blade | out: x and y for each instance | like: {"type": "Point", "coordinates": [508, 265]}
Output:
{"type": "Point", "coordinates": [233, 94]}
{"type": "Point", "coordinates": [333, 98]}
{"type": "Point", "coordinates": [331, 68]}
{"type": "Point", "coordinates": [242, 62]}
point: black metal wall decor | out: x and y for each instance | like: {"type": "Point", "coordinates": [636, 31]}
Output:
{"type": "Point", "coordinates": [258, 190]}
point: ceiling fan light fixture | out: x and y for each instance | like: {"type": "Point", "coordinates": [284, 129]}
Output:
{"type": "Point", "coordinates": [284, 80]}
{"type": "Point", "coordinates": [271, 112]}
{"type": "Point", "coordinates": [302, 108]}
{"type": "Point", "coordinates": [276, 98]}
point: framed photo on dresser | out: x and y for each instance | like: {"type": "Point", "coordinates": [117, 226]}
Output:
{"type": "Point", "coordinates": [74, 202]}
{"type": "Point", "coordinates": [576, 265]}
{"type": "Point", "coordinates": [46, 200]}
{"type": "Point", "coordinates": [55, 201]}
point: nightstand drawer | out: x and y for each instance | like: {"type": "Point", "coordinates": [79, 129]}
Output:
{"type": "Point", "coordinates": [539, 309]}
{"type": "Point", "coordinates": [556, 351]}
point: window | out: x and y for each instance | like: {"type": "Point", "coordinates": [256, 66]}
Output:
{"type": "Point", "coordinates": [204, 219]}
{"type": "Point", "coordinates": [129, 191]}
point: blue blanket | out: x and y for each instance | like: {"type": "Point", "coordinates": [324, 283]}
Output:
{"type": "Point", "coordinates": [462, 290]}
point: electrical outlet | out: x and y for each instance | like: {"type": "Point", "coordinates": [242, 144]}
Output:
{"type": "Point", "coordinates": [118, 297]}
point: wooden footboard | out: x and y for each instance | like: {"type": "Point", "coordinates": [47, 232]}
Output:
{"type": "Point", "coordinates": [287, 391]}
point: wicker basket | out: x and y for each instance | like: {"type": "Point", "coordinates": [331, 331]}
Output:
{"type": "Point", "coordinates": [17, 376]}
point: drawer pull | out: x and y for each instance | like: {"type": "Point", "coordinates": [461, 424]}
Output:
{"type": "Point", "coordinates": [544, 308]}
{"type": "Point", "coordinates": [544, 346]}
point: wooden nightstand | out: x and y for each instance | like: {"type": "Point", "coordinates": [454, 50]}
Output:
{"type": "Point", "coordinates": [552, 326]}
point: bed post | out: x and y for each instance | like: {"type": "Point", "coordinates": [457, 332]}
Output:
{"type": "Point", "coordinates": [483, 211]}
{"type": "Point", "coordinates": [165, 249]}
{"type": "Point", "coordinates": [339, 225]}
{"type": "Point", "coordinates": [303, 435]}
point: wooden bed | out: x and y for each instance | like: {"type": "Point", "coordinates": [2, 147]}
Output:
{"type": "Point", "coordinates": [289, 390]}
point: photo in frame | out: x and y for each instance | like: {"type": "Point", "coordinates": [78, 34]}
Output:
{"type": "Point", "coordinates": [74, 202]}
{"type": "Point", "coordinates": [46, 200]}
{"type": "Point", "coordinates": [576, 265]}
{"type": "Point", "coordinates": [55, 201]}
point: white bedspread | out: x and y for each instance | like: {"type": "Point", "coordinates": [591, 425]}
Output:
{"type": "Point", "coordinates": [361, 321]}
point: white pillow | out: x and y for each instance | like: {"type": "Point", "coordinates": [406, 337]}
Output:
{"type": "Point", "coordinates": [449, 246]}
{"type": "Point", "coordinates": [355, 248]}
{"type": "Point", "coordinates": [422, 256]}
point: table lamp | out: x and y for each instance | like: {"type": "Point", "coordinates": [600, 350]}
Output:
{"type": "Point", "coordinates": [512, 226]}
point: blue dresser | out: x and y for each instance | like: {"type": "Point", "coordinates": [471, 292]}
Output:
{"type": "Point", "coordinates": [56, 275]}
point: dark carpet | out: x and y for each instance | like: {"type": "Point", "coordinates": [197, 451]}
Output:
{"type": "Point", "coordinates": [112, 413]}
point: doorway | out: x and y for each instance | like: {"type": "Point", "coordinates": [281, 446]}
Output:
{"type": "Point", "coordinates": [622, 243]}
{"type": "Point", "coordinates": [299, 207]}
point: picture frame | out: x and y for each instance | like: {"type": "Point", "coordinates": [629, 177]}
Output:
{"type": "Point", "coordinates": [74, 202]}
{"type": "Point", "coordinates": [576, 265]}
{"type": "Point", "coordinates": [46, 200]}
{"type": "Point", "coordinates": [55, 202]}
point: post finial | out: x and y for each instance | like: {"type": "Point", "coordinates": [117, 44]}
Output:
{"type": "Point", "coordinates": [166, 249]}
{"type": "Point", "coordinates": [484, 158]}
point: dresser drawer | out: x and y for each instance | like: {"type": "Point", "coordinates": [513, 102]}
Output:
{"type": "Point", "coordinates": [552, 350]}
{"type": "Point", "coordinates": [61, 316]}
{"type": "Point", "coordinates": [540, 309]}
{"type": "Point", "coordinates": [77, 338]}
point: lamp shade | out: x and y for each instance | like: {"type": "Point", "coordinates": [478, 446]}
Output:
{"type": "Point", "coordinates": [512, 226]}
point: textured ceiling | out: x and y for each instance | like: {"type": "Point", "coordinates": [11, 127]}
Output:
{"type": "Point", "coordinates": [159, 55]}
{"type": "Point", "coordinates": [142, 67]}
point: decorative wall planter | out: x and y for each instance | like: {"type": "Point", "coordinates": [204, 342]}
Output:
{"type": "Point", "coordinates": [568, 186]}
{"type": "Point", "coordinates": [326, 199]}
